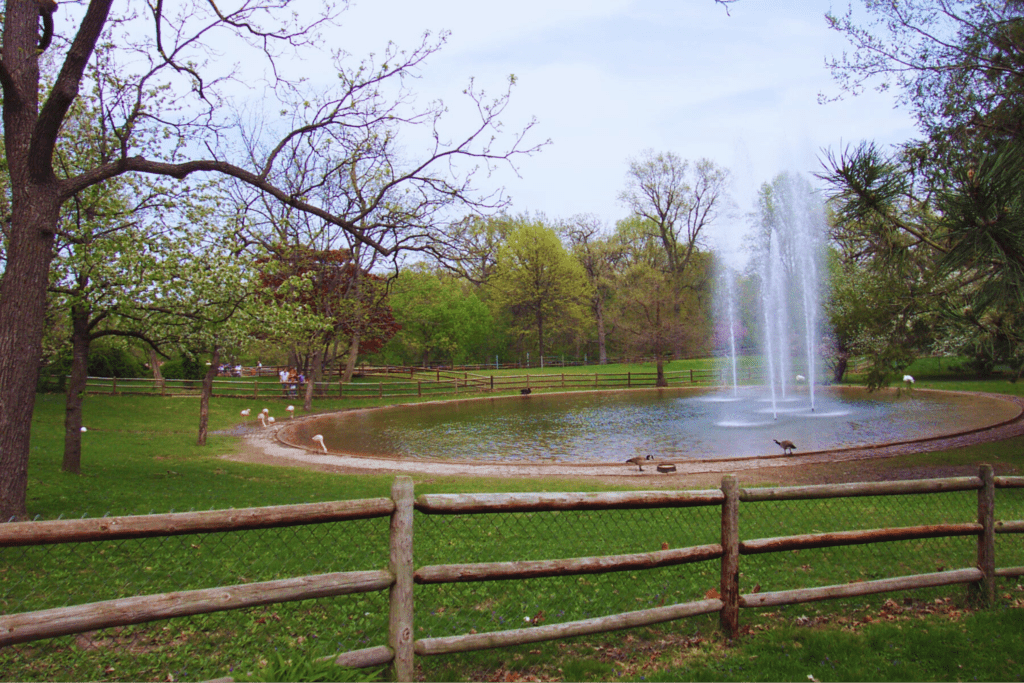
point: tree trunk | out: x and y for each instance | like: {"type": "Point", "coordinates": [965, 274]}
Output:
{"type": "Point", "coordinates": [350, 363]}
{"type": "Point", "coordinates": [80, 341]}
{"type": "Point", "coordinates": [314, 376]}
{"type": "Point", "coordinates": [34, 213]}
{"type": "Point", "coordinates": [22, 314]}
{"type": "Point", "coordinates": [602, 349]}
{"type": "Point", "coordinates": [540, 337]}
{"type": "Point", "coordinates": [204, 401]}
{"type": "Point", "coordinates": [839, 369]}
{"type": "Point", "coordinates": [154, 364]}
{"type": "Point", "coordinates": [661, 381]}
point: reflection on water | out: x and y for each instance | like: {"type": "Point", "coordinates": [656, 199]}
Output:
{"type": "Point", "coordinates": [609, 427]}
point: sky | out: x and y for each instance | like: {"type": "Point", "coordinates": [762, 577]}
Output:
{"type": "Point", "coordinates": [608, 79]}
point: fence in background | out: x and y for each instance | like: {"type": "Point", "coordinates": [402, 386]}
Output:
{"type": "Point", "coordinates": [584, 563]}
{"type": "Point", "coordinates": [399, 382]}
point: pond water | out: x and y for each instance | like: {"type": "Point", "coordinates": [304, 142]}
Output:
{"type": "Point", "coordinates": [667, 423]}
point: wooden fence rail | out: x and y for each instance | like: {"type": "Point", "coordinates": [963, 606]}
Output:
{"type": "Point", "coordinates": [392, 383]}
{"type": "Point", "coordinates": [400, 576]}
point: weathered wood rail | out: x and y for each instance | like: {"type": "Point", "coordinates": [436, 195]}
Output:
{"type": "Point", "coordinates": [399, 382]}
{"type": "Point", "coordinates": [401, 575]}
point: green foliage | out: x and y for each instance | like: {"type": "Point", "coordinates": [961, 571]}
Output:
{"type": "Point", "coordinates": [442, 319]}
{"type": "Point", "coordinates": [539, 283]}
{"type": "Point", "coordinates": [105, 360]}
{"type": "Point", "coordinates": [113, 361]}
{"type": "Point", "coordinates": [943, 214]}
{"type": "Point", "coordinates": [186, 366]}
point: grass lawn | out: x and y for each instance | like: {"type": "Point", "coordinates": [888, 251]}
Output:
{"type": "Point", "coordinates": [139, 456]}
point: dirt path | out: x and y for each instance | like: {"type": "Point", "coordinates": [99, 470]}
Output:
{"type": "Point", "coordinates": [857, 464]}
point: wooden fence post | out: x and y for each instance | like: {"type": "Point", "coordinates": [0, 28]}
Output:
{"type": "Point", "coordinates": [419, 388]}
{"type": "Point", "coordinates": [987, 538]}
{"type": "Point", "coordinates": [691, 375]}
{"type": "Point", "coordinates": [400, 617]}
{"type": "Point", "coordinates": [629, 379]}
{"type": "Point", "coordinates": [729, 619]}
{"type": "Point", "coordinates": [113, 386]}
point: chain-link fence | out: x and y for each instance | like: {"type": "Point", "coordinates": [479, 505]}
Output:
{"type": "Point", "coordinates": [47, 576]}
{"type": "Point", "coordinates": [455, 608]}
{"type": "Point", "coordinates": [201, 646]}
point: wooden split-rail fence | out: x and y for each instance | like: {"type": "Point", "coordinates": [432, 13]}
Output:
{"type": "Point", "coordinates": [400, 576]}
{"type": "Point", "coordinates": [399, 382]}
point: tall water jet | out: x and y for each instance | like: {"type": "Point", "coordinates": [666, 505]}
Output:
{"type": "Point", "coordinates": [729, 316]}
{"type": "Point", "coordinates": [791, 230]}
{"type": "Point", "coordinates": [788, 245]}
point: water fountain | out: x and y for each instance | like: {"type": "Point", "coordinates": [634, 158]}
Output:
{"type": "Point", "coordinates": [789, 241]}
{"type": "Point", "coordinates": [785, 403]}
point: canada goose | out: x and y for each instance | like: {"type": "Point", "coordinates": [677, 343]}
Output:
{"type": "Point", "coordinates": [639, 462]}
{"type": "Point", "coordinates": [787, 446]}
{"type": "Point", "coordinates": [525, 392]}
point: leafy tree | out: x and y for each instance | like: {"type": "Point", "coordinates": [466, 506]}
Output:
{"type": "Point", "coordinates": [645, 313]}
{"type": "Point", "coordinates": [441, 318]}
{"type": "Point", "coordinates": [949, 205]}
{"type": "Point", "coordinates": [167, 111]}
{"type": "Point", "coordinates": [958, 64]}
{"type": "Point", "coordinates": [538, 282]}
{"type": "Point", "coordinates": [335, 299]}
{"type": "Point", "coordinates": [600, 255]}
{"type": "Point", "coordinates": [111, 255]}
{"type": "Point", "coordinates": [678, 201]}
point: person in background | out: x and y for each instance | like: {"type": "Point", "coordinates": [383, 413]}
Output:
{"type": "Point", "coordinates": [293, 381]}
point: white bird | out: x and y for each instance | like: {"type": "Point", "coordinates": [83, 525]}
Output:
{"type": "Point", "coordinates": [84, 429]}
{"type": "Point", "coordinates": [263, 419]}
{"type": "Point", "coordinates": [801, 378]}
{"type": "Point", "coordinates": [291, 411]}
{"type": "Point", "coordinates": [319, 438]}
{"type": "Point", "coordinates": [266, 411]}
{"type": "Point", "coordinates": [270, 420]}
{"type": "Point", "coordinates": [246, 412]}
{"type": "Point", "coordinates": [908, 379]}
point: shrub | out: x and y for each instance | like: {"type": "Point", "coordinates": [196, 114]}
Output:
{"type": "Point", "coordinates": [185, 367]}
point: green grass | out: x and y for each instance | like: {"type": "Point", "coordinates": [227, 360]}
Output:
{"type": "Point", "coordinates": [139, 455]}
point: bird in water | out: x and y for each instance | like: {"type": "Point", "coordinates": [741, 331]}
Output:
{"type": "Point", "coordinates": [787, 446]}
{"type": "Point", "coordinates": [639, 462]}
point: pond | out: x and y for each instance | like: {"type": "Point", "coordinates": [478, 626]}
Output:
{"type": "Point", "coordinates": [601, 427]}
